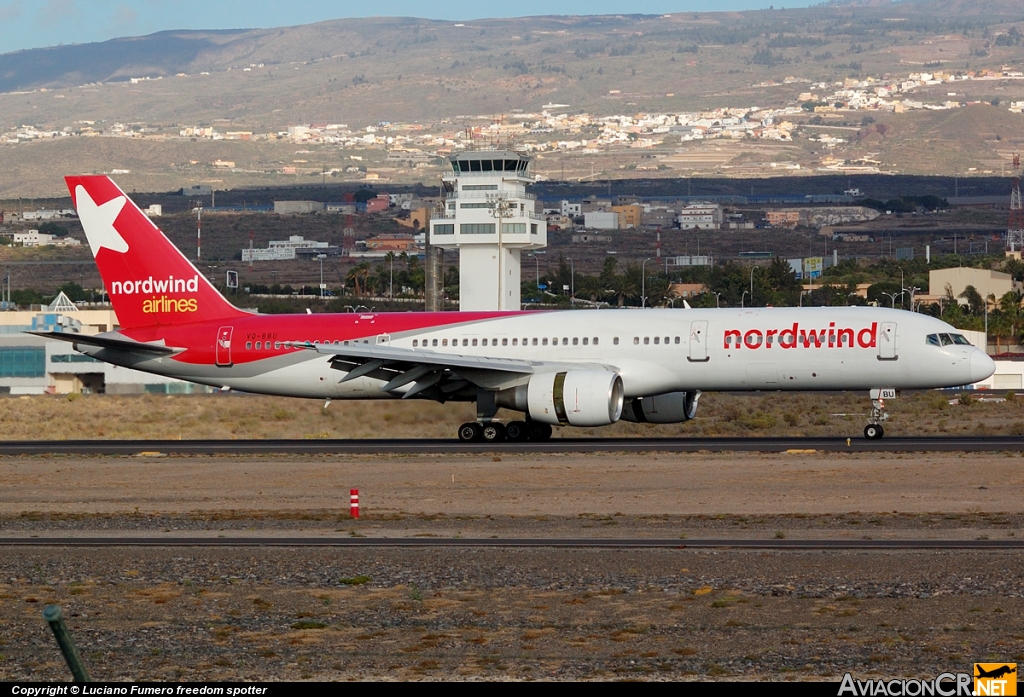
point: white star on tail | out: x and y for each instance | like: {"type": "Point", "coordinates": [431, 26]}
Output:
{"type": "Point", "coordinates": [98, 221]}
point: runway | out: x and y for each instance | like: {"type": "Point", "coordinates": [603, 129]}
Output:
{"type": "Point", "coordinates": [520, 543]}
{"type": "Point", "coordinates": [423, 446]}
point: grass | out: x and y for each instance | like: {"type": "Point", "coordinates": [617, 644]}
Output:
{"type": "Point", "coordinates": [308, 624]}
{"type": "Point", "coordinates": [251, 417]}
{"type": "Point", "coordinates": [354, 580]}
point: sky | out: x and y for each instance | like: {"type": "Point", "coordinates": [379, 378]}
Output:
{"type": "Point", "coordinates": [38, 23]}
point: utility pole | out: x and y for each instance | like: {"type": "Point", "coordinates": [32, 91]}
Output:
{"type": "Point", "coordinates": [643, 283]}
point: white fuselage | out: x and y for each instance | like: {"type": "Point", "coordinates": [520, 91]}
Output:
{"type": "Point", "coordinates": [654, 351]}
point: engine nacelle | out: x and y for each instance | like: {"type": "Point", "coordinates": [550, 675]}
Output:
{"type": "Point", "coordinates": [576, 397]}
{"type": "Point", "coordinates": [670, 408]}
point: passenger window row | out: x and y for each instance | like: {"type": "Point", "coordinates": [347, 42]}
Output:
{"type": "Point", "coordinates": [657, 340]}
{"type": "Point", "coordinates": [534, 341]}
{"type": "Point", "coordinates": [504, 341]}
{"type": "Point", "coordinates": [267, 345]}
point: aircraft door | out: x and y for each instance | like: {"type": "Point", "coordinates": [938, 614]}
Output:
{"type": "Point", "coordinates": [887, 341]}
{"type": "Point", "coordinates": [224, 346]}
{"type": "Point", "coordinates": [698, 342]}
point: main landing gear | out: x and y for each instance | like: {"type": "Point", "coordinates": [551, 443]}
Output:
{"type": "Point", "coordinates": [486, 430]}
{"type": "Point", "coordinates": [874, 430]}
{"type": "Point", "coordinates": [494, 432]}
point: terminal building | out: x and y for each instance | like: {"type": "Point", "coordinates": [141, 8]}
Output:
{"type": "Point", "coordinates": [490, 218]}
{"type": "Point", "coordinates": [36, 365]}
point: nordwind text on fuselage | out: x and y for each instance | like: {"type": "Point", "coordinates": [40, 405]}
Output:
{"type": "Point", "coordinates": [796, 337]}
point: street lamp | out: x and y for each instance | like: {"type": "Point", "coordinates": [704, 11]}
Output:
{"type": "Point", "coordinates": [718, 298]}
{"type": "Point", "coordinates": [643, 283]}
{"type": "Point", "coordinates": [391, 278]}
{"type": "Point", "coordinates": [742, 297]}
{"type": "Point", "coordinates": [752, 268]}
{"type": "Point", "coordinates": [501, 208]}
{"type": "Point", "coordinates": [536, 264]}
{"type": "Point", "coordinates": [572, 278]}
{"type": "Point", "coordinates": [323, 287]}
{"type": "Point", "coordinates": [893, 297]}
{"type": "Point", "coordinates": [912, 290]}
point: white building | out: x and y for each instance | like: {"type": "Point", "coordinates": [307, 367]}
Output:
{"type": "Point", "coordinates": [34, 238]}
{"type": "Point", "coordinates": [571, 210]}
{"type": "Point", "coordinates": [297, 207]}
{"type": "Point", "coordinates": [700, 216]}
{"type": "Point", "coordinates": [48, 214]}
{"type": "Point", "coordinates": [601, 220]}
{"type": "Point", "coordinates": [490, 218]}
{"type": "Point", "coordinates": [281, 250]}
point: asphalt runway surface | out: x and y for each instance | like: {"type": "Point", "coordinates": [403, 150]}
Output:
{"type": "Point", "coordinates": [556, 445]}
{"type": "Point", "coordinates": [577, 543]}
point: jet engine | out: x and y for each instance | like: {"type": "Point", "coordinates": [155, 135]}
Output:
{"type": "Point", "coordinates": [670, 408]}
{"type": "Point", "coordinates": [575, 397]}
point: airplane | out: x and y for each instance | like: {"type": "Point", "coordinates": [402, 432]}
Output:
{"type": "Point", "coordinates": [581, 368]}
{"type": "Point", "coordinates": [995, 672]}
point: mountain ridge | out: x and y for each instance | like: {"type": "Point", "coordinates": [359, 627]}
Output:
{"type": "Point", "coordinates": [170, 52]}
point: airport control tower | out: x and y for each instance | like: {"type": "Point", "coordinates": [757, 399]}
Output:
{"type": "Point", "coordinates": [489, 217]}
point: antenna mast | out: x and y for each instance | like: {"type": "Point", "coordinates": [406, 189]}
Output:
{"type": "Point", "coordinates": [1015, 229]}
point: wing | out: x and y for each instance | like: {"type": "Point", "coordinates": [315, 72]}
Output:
{"type": "Point", "coordinates": [431, 373]}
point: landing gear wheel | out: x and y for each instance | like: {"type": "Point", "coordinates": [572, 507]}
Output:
{"type": "Point", "coordinates": [470, 432]}
{"type": "Point", "coordinates": [492, 432]}
{"type": "Point", "coordinates": [539, 431]}
{"type": "Point", "coordinates": [873, 431]}
{"type": "Point", "coordinates": [517, 431]}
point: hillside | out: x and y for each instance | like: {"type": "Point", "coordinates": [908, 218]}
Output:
{"type": "Point", "coordinates": [445, 76]}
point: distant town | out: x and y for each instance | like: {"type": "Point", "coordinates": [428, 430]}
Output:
{"type": "Point", "coordinates": [420, 147]}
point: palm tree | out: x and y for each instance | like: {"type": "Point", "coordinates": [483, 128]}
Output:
{"type": "Point", "coordinates": [1011, 315]}
{"type": "Point", "coordinates": [622, 287]}
{"type": "Point", "coordinates": [359, 275]}
{"type": "Point", "coordinates": [592, 287]}
{"type": "Point", "coordinates": [975, 302]}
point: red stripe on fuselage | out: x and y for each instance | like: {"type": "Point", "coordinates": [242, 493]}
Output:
{"type": "Point", "coordinates": [200, 338]}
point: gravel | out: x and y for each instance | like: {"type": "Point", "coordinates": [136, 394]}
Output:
{"type": "Point", "coordinates": [236, 614]}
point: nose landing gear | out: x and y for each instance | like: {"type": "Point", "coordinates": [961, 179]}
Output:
{"type": "Point", "coordinates": [874, 430]}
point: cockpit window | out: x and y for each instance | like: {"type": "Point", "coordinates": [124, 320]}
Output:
{"type": "Point", "coordinates": [947, 340]}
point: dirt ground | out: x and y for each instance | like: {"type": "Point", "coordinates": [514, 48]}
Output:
{"type": "Point", "coordinates": [521, 614]}
{"type": "Point", "coordinates": [529, 484]}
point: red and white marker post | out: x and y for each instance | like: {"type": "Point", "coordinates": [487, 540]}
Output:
{"type": "Point", "coordinates": [354, 503]}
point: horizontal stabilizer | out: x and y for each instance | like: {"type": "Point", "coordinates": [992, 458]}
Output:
{"type": "Point", "coordinates": [108, 342]}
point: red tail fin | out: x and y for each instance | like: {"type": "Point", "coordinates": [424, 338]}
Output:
{"type": "Point", "coordinates": [149, 281]}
